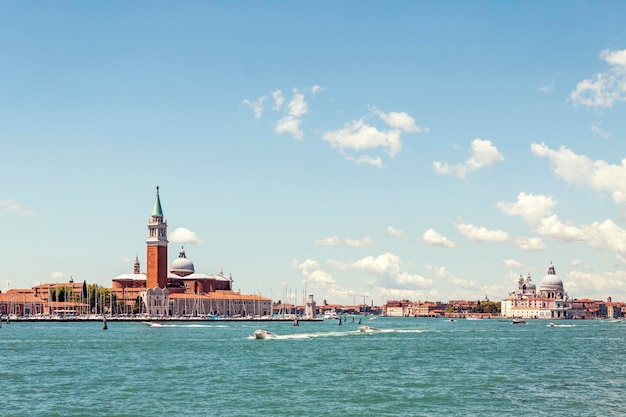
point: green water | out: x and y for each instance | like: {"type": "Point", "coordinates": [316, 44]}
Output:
{"type": "Point", "coordinates": [412, 367]}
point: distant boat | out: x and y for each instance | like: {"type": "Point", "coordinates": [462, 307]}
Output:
{"type": "Point", "coordinates": [331, 315]}
{"type": "Point", "coordinates": [518, 320]}
{"type": "Point", "coordinates": [263, 334]}
{"type": "Point", "coordinates": [153, 323]}
{"type": "Point", "coordinates": [368, 329]}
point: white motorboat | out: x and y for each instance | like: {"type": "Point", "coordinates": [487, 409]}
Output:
{"type": "Point", "coordinates": [153, 323]}
{"type": "Point", "coordinates": [263, 334]}
{"type": "Point", "coordinates": [368, 329]}
{"type": "Point", "coordinates": [331, 315]}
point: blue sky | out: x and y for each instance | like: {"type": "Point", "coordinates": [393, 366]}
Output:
{"type": "Point", "coordinates": [365, 151]}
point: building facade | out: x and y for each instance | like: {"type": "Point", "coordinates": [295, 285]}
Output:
{"type": "Point", "coordinates": [549, 301]}
{"type": "Point", "coordinates": [181, 291]}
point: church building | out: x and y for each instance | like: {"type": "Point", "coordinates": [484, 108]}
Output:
{"type": "Point", "coordinates": [550, 301]}
{"type": "Point", "coordinates": [181, 291]}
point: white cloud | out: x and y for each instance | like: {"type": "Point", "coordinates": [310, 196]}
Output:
{"type": "Point", "coordinates": [57, 275]}
{"type": "Point", "coordinates": [531, 207]}
{"type": "Point", "coordinates": [399, 120]}
{"type": "Point", "coordinates": [483, 154]}
{"type": "Point", "coordinates": [584, 172]}
{"type": "Point", "coordinates": [386, 264]}
{"type": "Point", "coordinates": [432, 237]}
{"type": "Point", "coordinates": [306, 267]}
{"type": "Point", "coordinates": [256, 106]}
{"type": "Point", "coordinates": [359, 136]}
{"type": "Point", "coordinates": [320, 277]}
{"type": "Point", "coordinates": [536, 211]}
{"type": "Point", "coordinates": [290, 124]}
{"type": "Point", "coordinates": [399, 293]}
{"type": "Point", "coordinates": [321, 281]}
{"type": "Point", "coordinates": [607, 235]}
{"type": "Point", "coordinates": [548, 88]}
{"type": "Point", "coordinates": [329, 241]}
{"type": "Point", "coordinates": [368, 160]}
{"type": "Point", "coordinates": [278, 98]}
{"type": "Point", "coordinates": [9, 206]}
{"type": "Point", "coordinates": [554, 228]}
{"type": "Point", "coordinates": [395, 232]}
{"type": "Point", "coordinates": [317, 89]}
{"type": "Point", "coordinates": [605, 88]}
{"type": "Point", "coordinates": [602, 285]}
{"type": "Point", "coordinates": [404, 279]}
{"type": "Point", "coordinates": [442, 272]}
{"type": "Point", "coordinates": [529, 244]}
{"type": "Point", "coordinates": [596, 128]}
{"type": "Point", "coordinates": [297, 106]}
{"type": "Point", "coordinates": [336, 241]}
{"type": "Point", "coordinates": [512, 263]}
{"type": "Point", "coordinates": [387, 267]}
{"type": "Point", "coordinates": [482, 234]}
{"type": "Point", "coordinates": [545, 89]}
{"type": "Point", "coordinates": [183, 235]}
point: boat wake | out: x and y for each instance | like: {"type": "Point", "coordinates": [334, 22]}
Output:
{"type": "Point", "coordinates": [337, 334]}
{"type": "Point", "coordinates": [157, 324]}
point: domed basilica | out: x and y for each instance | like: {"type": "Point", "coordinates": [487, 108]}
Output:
{"type": "Point", "coordinates": [550, 301]}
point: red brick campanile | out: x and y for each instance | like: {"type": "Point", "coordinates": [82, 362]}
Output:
{"type": "Point", "coordinates": [157, 247]}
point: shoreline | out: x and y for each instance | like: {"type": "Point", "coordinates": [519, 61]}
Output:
{"type": "Point", "coordinates": [154, 319]}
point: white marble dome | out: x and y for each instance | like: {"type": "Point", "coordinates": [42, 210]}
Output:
{"type": "Point", "coordinates": [182, 265]}
{"type": "Point", "coordinates": [551, 281]}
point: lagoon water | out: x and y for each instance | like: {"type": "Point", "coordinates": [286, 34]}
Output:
{"type": "Point", "coordinates": [412, 367]}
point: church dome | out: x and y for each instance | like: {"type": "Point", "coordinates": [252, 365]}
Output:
{"type": "Point", "coordinates": [181, 265]}
{"type": "Point", "coordinates": [551, 281]}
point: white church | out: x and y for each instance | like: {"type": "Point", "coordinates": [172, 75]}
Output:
{"type": "Point", "coordinates": [550, 301]}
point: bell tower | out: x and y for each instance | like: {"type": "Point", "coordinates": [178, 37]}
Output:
{"type": "Point", "coordinates": [157, 247]}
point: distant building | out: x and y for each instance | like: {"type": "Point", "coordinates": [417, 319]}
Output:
{"type": "Point", "coordinates": [181, 291]}
{"type": "Point", "coordinates": [549, 301]}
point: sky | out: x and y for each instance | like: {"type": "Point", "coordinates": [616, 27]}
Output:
{"type": "Point", "coordinates": [360, 151]}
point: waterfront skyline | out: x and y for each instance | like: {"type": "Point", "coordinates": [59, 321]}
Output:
{"type": "Point", "coordinates": [366, 152]}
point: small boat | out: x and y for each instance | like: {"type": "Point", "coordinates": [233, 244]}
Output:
{"type": "Point", "coordinates": [368, 329]}
{"type": "Point", "coordinates": [263, 334]}
{"type": "Point", "coordinates": [518, 320]}
{"type": "Point", "coordinates": [331, 315]}
{"type": "Point", "coordinates": [553, 325]}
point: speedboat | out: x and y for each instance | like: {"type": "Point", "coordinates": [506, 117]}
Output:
{"type": "Point", "coordinates": [368, 329]}
{"type": "Point", "coordinates": [263, 334]}
{"type": "Point", "coordinates": [553, 325]}
{"type": "Point", "coordinates": [518, 320]}
{"type": "Point", "coordinates": [331, 315]}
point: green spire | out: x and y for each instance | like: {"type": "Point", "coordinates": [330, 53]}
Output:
{"type": "Point", "coordinates": [157, 210]}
